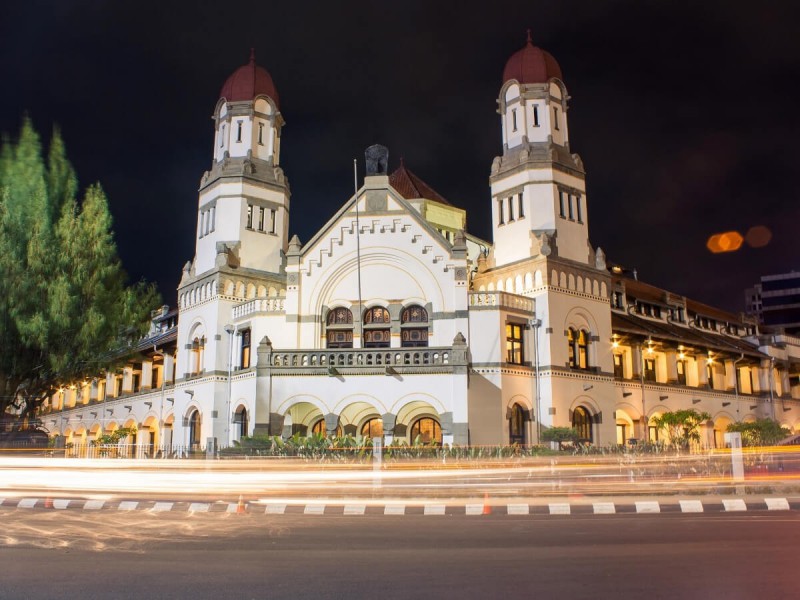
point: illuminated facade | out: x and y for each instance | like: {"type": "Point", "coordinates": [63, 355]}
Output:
{"type": "Point", "coordinates": [393, 321]}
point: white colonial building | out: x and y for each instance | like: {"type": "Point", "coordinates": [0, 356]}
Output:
{"type": "Point", "coordinates": [394, 321]}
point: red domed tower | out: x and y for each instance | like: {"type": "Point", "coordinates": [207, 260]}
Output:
{"type": "Point", "coordinates": [539, 205]}
{"type": "Point", "coordinates": [244, 198]}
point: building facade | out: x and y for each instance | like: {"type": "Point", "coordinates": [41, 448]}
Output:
{"type": "Point", "coordinates": [393, 321]}
{"type": "Point", "coordinates": [775, 301]}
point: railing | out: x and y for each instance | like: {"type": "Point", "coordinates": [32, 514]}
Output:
{"type": "Point", "coordinates": [259, 305]}
{"type": "Point", "coordinates": [137, 451]}
{"type": "Point", "coordinates": [362, 357]}
{"type": "Point", "coordinates": [787, 339]}
{"type": "Point", "coordinates": [501, 300]}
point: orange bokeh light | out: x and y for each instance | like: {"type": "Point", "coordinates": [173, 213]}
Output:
{"type": "Point", "coordinates": [729, 241]}
{"type": "Point", "coordinates": [758, 236]}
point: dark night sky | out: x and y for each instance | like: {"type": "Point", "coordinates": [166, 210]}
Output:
{"type": "Point", "coordinates": [685, 113]}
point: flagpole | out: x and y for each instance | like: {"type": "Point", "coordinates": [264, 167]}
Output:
{"type": "Point", "coordinates": [358, 243]}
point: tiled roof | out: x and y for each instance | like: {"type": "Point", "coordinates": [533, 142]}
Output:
{"type": "Point", "coordinates": [249, 81]}
{"type": "Point", "coordinates": [411, 187]}
{"type": "Point", "coordinates": [689, 336]}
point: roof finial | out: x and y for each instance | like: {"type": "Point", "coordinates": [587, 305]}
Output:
{"type": "Point", "coordinates": [252, 55]}
{"type": "Point", "coordinates": [529, 40]}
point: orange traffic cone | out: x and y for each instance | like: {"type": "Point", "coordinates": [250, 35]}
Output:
{"type": "Point", "coordinates": [487, 508]}
{"type": "Point", "coordinates": [48, 502]}
{"type": "Point", "coordinates": [241, 508]}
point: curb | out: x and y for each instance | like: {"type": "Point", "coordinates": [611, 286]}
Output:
{"type": "Point", "coordinates": [354, 508]}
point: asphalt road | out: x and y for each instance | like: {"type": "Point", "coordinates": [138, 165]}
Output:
{"type": "Point", "coordinates": [66, 554]}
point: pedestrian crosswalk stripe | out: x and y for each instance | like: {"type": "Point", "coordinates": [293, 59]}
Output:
{"type": "Point", "coordinates": [777, 503]}
{"type": "Point", "coordinates": [518, 509]}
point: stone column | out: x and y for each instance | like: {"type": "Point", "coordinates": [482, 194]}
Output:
{"type": "Point", "coordinates": [702, 371]}
{"type": "Point", "coordinates": [672, 366]}
{"type": "Point", "coordinates": [262, 416]}
{"type": "Point", "coordinates": [636, 362]}
{"type": "Point", "coordinates": [389, 421]}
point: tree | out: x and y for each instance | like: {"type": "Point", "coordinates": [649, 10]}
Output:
{"type": "Point", "coordinates": [682, 426]}
{"type": "Point", "coordinates": [762, 432]}
{"type": "Point", "coordinates": [65, 306]}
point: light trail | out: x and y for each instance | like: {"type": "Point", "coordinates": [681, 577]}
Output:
{"type": "Point", "coordinates": [613, 475]}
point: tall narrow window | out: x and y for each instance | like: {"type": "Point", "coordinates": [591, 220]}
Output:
{"type": "Point", "coordinates": [535, 115]}
{"type": "Point", "coordinates": [583, 349]}
{"type": "Point", "coordinates": [510, 209]}
{"type": "Point", "coordinates": [244, 356]}
{"type": "Point", "coordinates": [260, 134]}
{"type": "Point", "coordinates": [514, 344]}
{"type": "Point", "coordinates": [520, 208]}
{"type": "Point", "coordinates": [514, 120]}
{"type": "Point", "coordinates": [681, 366]}
{"type": "Point", "coordinates": [572, 337]}
{"type": "Point", "coordinates": [618, 370]}
{"type": "Point", "coordinates": [272, 221]}
{"type": "Point", "coordinates": [249, 216]}
{"type": "Point", "coordinates": [582, 423]}
{"type": "Point", "coordinates": [555, 118]}
{"type": "Point", "coordinates": [261, 214]}
{"type": "Point", "coordinates": [650, 369]}
{"type": "Point", "coordinates": [222, 136]}
{"type": "Point", "coordinates": [500, 211]}
{"type": "Point", "coordinates": [202, 223]}
{"type": "Point", "coordinates": [516, 425]}
{"type": "Point", "coordinates": [571, 207]}
{"type": "Point", "coordinates": [238, 131]}
{"type": "Point", "coordinates": [213, 217]}
{"type": "Point", "coordinates": [578, 208]}
{"type": "Point", "coordinates": [561, 201]}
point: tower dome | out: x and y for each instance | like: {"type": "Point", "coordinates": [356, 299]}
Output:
{"type": "Point", "coordinates": [249, 81]}
{"type": "Point", "coordinates": [531, 64]}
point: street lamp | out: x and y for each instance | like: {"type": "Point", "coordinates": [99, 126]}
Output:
{"type": "Point", "coordinates": [535, 324]}
{"type": "Point", "coordinates": [229, 329]}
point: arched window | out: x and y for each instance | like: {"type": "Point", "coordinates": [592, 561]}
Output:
{"type": "Point", "coordinates": [376, 328]}
{"type": "Point", "coordinates": [320, 429]}
{"type": "Point", "coordinates": [582, 423]}
{"type": "Point", "coordinates": [411, 334]}
{"type": "Point", "coordinates": [372, 428]}
{"type": "Point", "coordinates": [339, 332]}
{"type": "Point", "coordinates": [427, 429]}
{"type": "Point", "coordinates": [194, 430]}
{"type": "Point", "coordinates": [240, 423]}
{"type": "Point", "coordinates": [516, 425]}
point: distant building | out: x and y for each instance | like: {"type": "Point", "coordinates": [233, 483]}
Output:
{"type": "Point", "coordinates": [775, 301]}
{"type": "Point", "coordinates": [393, 321]}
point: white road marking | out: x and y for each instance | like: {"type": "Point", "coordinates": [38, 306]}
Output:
{"type": "Point", "coordinates": [648, 507]}
{"type": "Point", "coordinates": [560, 508]}
{"type": "Point", "coordinates": [162, 506]}
{"type": "Point", "coordinates": [735, 504]}
{"type": "Point", "coordinates": [691, 506]}
{"type": "Point", "coordinates": [604, 508]}
{"type": "Point", "coordinates": [314, 509]}
{"type": "Point", "coordinates": [199, 507]}
{"type": "Point", "coordinates": [434, 509]}
{"type": "Point", "coordinates": [394, 509]}
{"type": "Point", "coordinates": [355, 509]}
{"type": "Point", "coordinates": [128, 505]}
{"type": "Point", "coordinates": [518, 509]}
{"type": "Point", "coordinates": [777, 503]}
